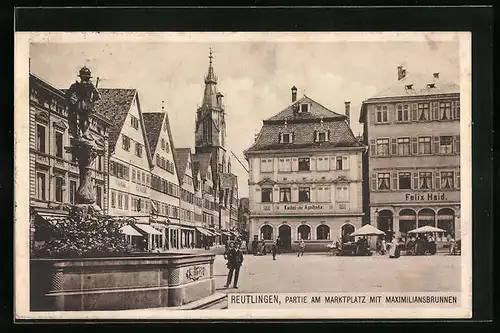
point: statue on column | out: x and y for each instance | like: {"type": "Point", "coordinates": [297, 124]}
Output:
{"type": "Point", "coordinates": [81, 98]}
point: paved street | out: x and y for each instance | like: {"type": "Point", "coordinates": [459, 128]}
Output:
{"type": "Point", "coordinates": [318, 272]}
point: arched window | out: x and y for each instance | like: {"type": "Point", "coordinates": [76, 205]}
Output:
{"type": "Point", "coordinates": [407, 221]}
{"type": "Point", "coordinates": [266, 232]}
{"type": "Point", "coordinates": [345, 231]}
{"type": "Point", "coordinates": [426, 217]}
{"type": "Point", "coordinates": [446, 221]}
{"type": "Point", "coordinates": [323, 232]}
{"type": "Point", "coordinates": [304, 232]}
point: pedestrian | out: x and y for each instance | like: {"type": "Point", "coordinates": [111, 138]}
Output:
{"type": "Point", "coordinates": [234, 261]}
{"type": "Point", "coordinates": [302, 247]}
{"type": "Point", "coordinates": [394, 250]}
{"type": "Point", "coordinates": [278, 244]}
{"type": "Point", "coordinates": [274, 249]}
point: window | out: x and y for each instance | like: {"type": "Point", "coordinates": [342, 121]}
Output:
{"type": "Point", "coordinates": [285, 164]}
{"type": "Point", "coordinates": [382, 114]}
{"type": "Point", "coordinates": [323, 194]}
{"type": "Point", "coordinates": [445, 110]}
{"type": "Point", "coordinates": [403, 112]}
{"type": "Point", "coordinates": [425, 180]}
{"type": "Point", "coordinates": [113, 199]}
{"type": "Point", "coordinates": [162, 144]}
{"type": "Point", "coordinates": [304, 164]}
{"type": "Point", "coordinates": [120, 201]}
{"type": "Point", "coordinates": [99, 163]}
{"type": "Point", "coordinates": [134, 122]}
{"type": "Point", "coordinates": [125, 142]}
{"type": "Point", "coordinates": [382, 147]}
{"type": "Point", "coordinates": [266, 165]}
{"type": "Point", "coordinates": [383, 181]}
{"type": "Point", "coordinates": [405, 181]}
{"type": "Point", "coordinates": [304, 108]}
{"type": "Point", "coordinates": [266, 232]}
{"type": "Point", "coordinates": [59, 144]}
{"type": "Point", "coordinates": [435, 110]}
{"type": "Point", "coordinates": [138, 149]}
{"type": "Point", "coordinates": [59, 188]}
{"type": "Point", "coordinates": [267, 195]}
{"type": "Point", "coordinates": [424, 145]}
{"type": "Point", "coordinates": [403, 146]}
{"type": "Point", "coordinates": [445, 145]}
{"type": "Point", "coordinates": [286, 138]}
{"type": "Point", "coordinates": [285, 194]}
{"type": "Point", "coordinates": [342, 194]}
{"type": "Point", "coordinates": [423, 111]}
{"type": "Point", "coordinates": [321, 137]}
{"type": "Point", "coordinates": [72, 191]}
{"type": "Point", "coordinates": [98, 196]}
{"type": "Point", "coordinates": [40, 138]}
{"type": "Point", "coordinates": [338, 163]}
{"type": "Point", "coordinates": [456, 109]}
{"type": "Point", "coordinates": [322, 163]}
{"type": "Point", "coordinates": [457, 144]}
{"type": "Point", "coordinates": [304, 232]}
{"type": "Point", "coordinates": [414, 112]}
{"type": "Point", "coordinates": [41, 186]}
{"type": "Point", "coordinates": [447, 180]}
{"type": "Point", "coordinates": [304, 194]}
{"type": "Point", "coordinates": [323, 232]}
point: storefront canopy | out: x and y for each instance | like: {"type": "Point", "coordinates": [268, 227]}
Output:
{"type": "Point", "coordinates": [425, 229]}
{"type": "Point", "coordinates": [148, 229]}
{"type": "Point", "coordinates": [130, 231]}
{"type": "Point", "coordinates": [367, 230]}
{"type": "Point", "coordinates": [204, 231]}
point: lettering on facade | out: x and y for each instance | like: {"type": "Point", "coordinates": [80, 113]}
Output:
{"type": "Point", "coordinates": [303, 207]}
{"type": "Point", "coordinates": [425, 197]}
{"type": "Point", "coordinates": [194, 273]}
{"type": "Point", "coordinates": [342, 206]}
{"type": "Point", "coordinates": [140, 188]}
{"type": "Point", "coordinates": [121, 184]}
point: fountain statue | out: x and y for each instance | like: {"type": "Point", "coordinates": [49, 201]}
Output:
{"type": "Point", "coordinates": [81, 98]}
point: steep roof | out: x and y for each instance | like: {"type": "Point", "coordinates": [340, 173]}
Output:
{"type": "Point", "coordinates": [115, 104]}
{"type": "Point", "coordinates": [303, 136]}
{"type": "Point", "coordinates": [316, 111]}
{"type": "Point", "coordinates": [202, 161]}
{"type": "Point", "coordinates": [181, 157]}
{"type": "Point", "coordinates": [153, 122]}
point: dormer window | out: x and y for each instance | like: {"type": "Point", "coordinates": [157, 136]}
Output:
{"type": "Point", "coordinates": [322, 136]}
{"type": "Point", "coordinates": [304, 108]}
{"type": "Point", "coordinates": [286, 138]}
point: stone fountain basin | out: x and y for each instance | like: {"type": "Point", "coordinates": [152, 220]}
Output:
{"type": "Point", "coordinates": [135, 281]}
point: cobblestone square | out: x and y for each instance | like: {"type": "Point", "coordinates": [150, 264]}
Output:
{"type": "Point", "coordinates": [318, 272]}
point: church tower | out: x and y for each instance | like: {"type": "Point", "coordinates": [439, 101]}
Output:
{"type": "Point", "coordinates": [210, 133]}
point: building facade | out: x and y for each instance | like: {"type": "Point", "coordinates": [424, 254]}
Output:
{"type": "Point", "coordinates": [164, 192]}
{"type": "Point", "coordinates": [184, 162]}
{"type": "Point", "coordinates": [305, 178]}
{"type": "Point", "coordinates": [413, 132]}
{"type": "Point", "coordinates": [53, 172]}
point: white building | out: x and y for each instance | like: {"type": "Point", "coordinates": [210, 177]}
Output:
{"type": "Point", "coordinates": [164, 192]}
{"type": "Point", "coordinates": [305, 179]}
{"type": "Point", "coordinates": [184, 164]}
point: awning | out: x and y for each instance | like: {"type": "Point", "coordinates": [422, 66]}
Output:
{"type": "Point", "coordinates": [53, 219]}
{"type": "Point", "coordinates": [445, 217]}
{"type": "Point", "coordinates": [227, 233]}
{"type": "Point", "coordinates": [148, 229]}
{"type": "Point", "coordinates": [130, 231]}
{"type": "Point", "coordinates": [204, 231]}
{"type": "Point", "coordinates": [215, 232]}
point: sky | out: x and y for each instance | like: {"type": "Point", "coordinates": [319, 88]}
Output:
{"type": "Point", "coordinates": [255, 77]}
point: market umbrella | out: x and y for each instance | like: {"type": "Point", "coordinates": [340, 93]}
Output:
{"type": "Point", "coordinates": [367, 230]}
{"type": "Point", "coordinates": [425, 229]}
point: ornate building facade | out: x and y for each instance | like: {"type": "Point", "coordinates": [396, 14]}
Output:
{"type": "Point", "coordinates": [305, 178]}
{"type": "Point", "coordinates": [413, 174]}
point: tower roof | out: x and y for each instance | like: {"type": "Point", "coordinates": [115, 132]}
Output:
{"type": "Point", "coordinates": [210, 94]}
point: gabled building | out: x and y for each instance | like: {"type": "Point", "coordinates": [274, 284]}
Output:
{"type": "Point", "coordinates": [53, 172]}
{"type": "Point", "coordinates": [129, 160]}
{"type": "Point", "coordinates": [164, 192]}
{"type": "Point", "coordinates": [305, 179]}
{"type": "Point", "coordinates": [413, 167]}
{"type": "Point", "coordinates": [184, 162]}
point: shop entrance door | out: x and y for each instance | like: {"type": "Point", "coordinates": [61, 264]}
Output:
{"type": "Point", "coordinates": [285, 233]}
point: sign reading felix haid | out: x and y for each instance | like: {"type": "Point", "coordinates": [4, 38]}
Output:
{"type": "Point", "coordinates": [247, 191]}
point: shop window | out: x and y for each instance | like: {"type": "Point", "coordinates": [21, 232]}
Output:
{"type": "Point", "coordinates": [266, 195]}
{"type": "Point", "coordinates": [266, 232]}
{"type": "Point", "coordinates": [304, 194]}
{"type": "Point", "coordinates": [404, 181]}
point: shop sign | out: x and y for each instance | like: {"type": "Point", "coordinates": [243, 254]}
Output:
{"type": "Point", "coordinates": [432, 196]}
{"type": "Point", "coordinates": [303, 207]}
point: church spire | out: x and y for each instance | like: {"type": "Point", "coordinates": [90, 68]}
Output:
{"type": "Point", "coordinates": [210, 95]}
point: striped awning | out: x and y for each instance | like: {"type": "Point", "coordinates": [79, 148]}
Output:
{"type": "Point", "coordinates": [148, 229]}
{"type": "Point", "coordinates": [130, 231]}
{"type": "Point", "coordinates": [445, 217]}
{"type": "Point", "coordinates": [204, 231]}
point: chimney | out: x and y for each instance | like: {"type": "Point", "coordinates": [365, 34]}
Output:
{"type": "Point", "coordinates": [401, 72]}
{"type": "Point", "coordinates": [348, 112]}
{"type": "Point", "coordinates": [294, 94]}
{"type": "Point", "coordinates": [436, 75]}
